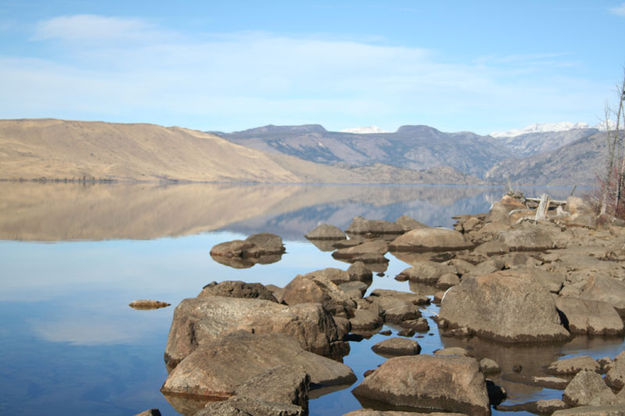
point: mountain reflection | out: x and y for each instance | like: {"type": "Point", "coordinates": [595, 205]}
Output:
{"type": "Point", "coordinates": [59, 212]}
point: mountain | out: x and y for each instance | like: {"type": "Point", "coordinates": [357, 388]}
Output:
{"type": "Point", "coordinates": [541, 128]}
{"type": "Point", "coordinates": [576, 163]}
{"type": "Point", "coordinates": [49, 149]}
{"type": "Point", "coordinates": [528, 144]}
{"type": "Point", "coordinates": [410, 147]}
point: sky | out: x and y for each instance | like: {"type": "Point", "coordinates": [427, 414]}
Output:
{"type": "Point", "coordinates": [476, 66]}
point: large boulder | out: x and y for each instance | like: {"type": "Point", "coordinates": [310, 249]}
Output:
{"type": "Point", "coordinates": [312, 288]}
{"type": "Point", "coordinates": [605, 289]}
{"type": "Point", "coordinates": [427, 382]}
{"type": "Point", "coordinates": [506, 306]}
{"type": "Point", "coordinates": [430, 239]}
{"type": "Point", "coordinates": [426, 272]}
{"type": "Point", "coordinates": [586, 388]}
{"type": "Point", "coordinates": [527, 237]}
{"type": "Point", "coordinates": [362, 225]}
{"type": "Point", "coordinates": [237, 289]}
{"type": "Point", "coordinates": [216, 369]}
{"type": "Point", "coordinates": [326, 232]}
{"type": "Point", "coordinates": [202, 320]}
{"type": "Point", "coordinates": [590, 316]}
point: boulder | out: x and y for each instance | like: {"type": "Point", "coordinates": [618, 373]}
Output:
{"type": "Point", "coordinates": [418, 325]}
{"type": "Point", "coordinates": [255, 245]}
{"type": "Point", "coordinates": [408, 223]}
{"type": "Point", "coordinates": [615, 410]}
{"type": "Point", "coordinates": [505, 306]}
{"type": "Point", "coordinates": [215, 370]}
{"type": "Point", "coordinates": [452, 351]}
{"type": "Point", "coordinates": [590, 316]}
{"type": "Point", "coordinates": [587, 387]}
{"type": "Point", "coordinates": [427, 382]}
{"type": "Point", "coordinates": [313, 288]}
{"type": "Point", "coordinates": [426, 272]}
{"type": "Point", "coordinates": [354, 289]}
{"type": "Point", "coordinates": [370, 412]}
{"type": "Point", "coordinates": [499, 212]}
{"type": "Point", "coordinates": [248, 406]}
{"type": "Point", "coordinates": [447, 280]}
{"type": "Point", "coordinates": [488, 366]}
{"type": "Point", "coordinates": [336, 276]}
{"type": "Point", "coordinates": [605, 289]}
{"type": "Point", "coordinates": [397, 346]}
{"type": "Point", "coordinates": [386, 297]}
{"type": "Point", "coordinates": [359, 272]}
{"type": "Point", "coordinates": [615, 377]}
{"type": "Point", "coordinates": [573, 365]}
{"type": "Point", "coordinates": [237, 289]}
{"type": "Point", "coordinates": [198, 321]}
{"type": "Point", "coordinates": [527, 237]}
{"type": "Point", "coordinates": [368, 250]}
{"type": "Point", "coordinates": [430, 239]}
{"type": "Point", "coordinates": [326, 232]}
{"type": "Point", "coordinates": [361, 225]}
{"type": "Point", "coordinates": [404, 311]}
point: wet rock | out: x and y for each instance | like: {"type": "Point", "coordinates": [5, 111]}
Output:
{"type": "Point", "coordinates": [386, 332]}
{"type": "Point", "coordinates": [359, 272]}
{"type": "Point", "coordinates": [430, 239]}
{"type": "Point", "coordinates": [361, 225]}
{"type": "Point", "coordinates": [237, 289]}
{"type": "Point", "coordinates": [148, 304]}
{"type": "Point", "coordinates": [488, 366]}
{"type": "Point", "coordinates": [439, 383]}
{"type": "Point", "coordinates": [397, 346]}
{"type": "Point", "coordinates": [408, 224]}
{"type": "Point", "coordinates": [573, 365]}
{"type": "Point", "coordinates": [198, 321]}
{"type": "Point", "coordinates": [216, 369]}
{"type": "Point", "coordinates": [313, 288]}
{"type": "Point", "coordinates": [505, 306]}
{"type": "Point", "coordinates": [590, 317]}
{"type": "Point", "coordinates": [326, 232]}
{"type": "Point", "coordinates": [587, 387]}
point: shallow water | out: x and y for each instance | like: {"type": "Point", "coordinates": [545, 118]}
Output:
{"type": "Point", "coordinates": [71, 345]}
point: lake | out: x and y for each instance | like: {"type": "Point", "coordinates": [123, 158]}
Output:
{"type": "Point", "coordinates": [73, 256]}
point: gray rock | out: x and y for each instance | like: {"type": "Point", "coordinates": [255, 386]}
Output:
{"type": "Point", "coordinates": [430, 239]}
{"type": "Point", "coordinates": [326, 232]}
{"type": "Point", "coordinates": [587, 387]}
{"type": "Point", "coordinates": [439, 383]}
{"type": "Point", "coordinates": [198, 321]}
{"type": "Point", "coordinates": [505, 306]}
{"type": "Point", "coordinates": [397, 346]}
{"type": "Point", "coordinates": [590, 317]}
{"type": "Point", "coordinates": [237, 289]}
{"type": "Point", "coordinates": [216, 369]}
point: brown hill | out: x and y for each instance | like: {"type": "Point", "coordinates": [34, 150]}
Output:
{"type": "Point", "coordinates": [76, 150]}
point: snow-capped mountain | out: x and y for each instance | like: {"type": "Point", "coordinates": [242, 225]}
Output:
{"type": "Point", "coordinates": [541, 128]}
{"type": "Point", "coordinates": [364, 130]}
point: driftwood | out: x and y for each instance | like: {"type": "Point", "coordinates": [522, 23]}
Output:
{"type": "Point", "coordinates": [543, 207]}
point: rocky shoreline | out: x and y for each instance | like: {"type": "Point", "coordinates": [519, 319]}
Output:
{"type": "Point", "coordinates": [503, 280]}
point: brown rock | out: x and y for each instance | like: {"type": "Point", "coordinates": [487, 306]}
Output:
{"type": "Point", "coordinates": [375, 248]}
{"type": "Point", "coordinates": [527, 237]}
{"type": "Point", "coordinates": [237, 289]}
{"type": "Point", "coordinates": [313, 288]}
{"type": "Point", "coordinates": [408, 224]}
{"type": "Point", "coordinates": [573, 365]}
{"type": "Point", "coordinates": [422, 381]}
{"type": "Point", "coordinates": [361, 225]}
{"type": "Point", "coordinates": [430, 239]}
{"type": "Point", "coordinates": [397, 346]}
{"type": "Point", "coordinates": [616, 410]}
{"type": "Point", "coordinates": [590, 317]}
{"type": "Point", "coordinates": [615, 377]}
{"type": "Point", "coordinates": [505, 306]}
{"type": "Point", "coordinates": [326, 232]}
{"type": "Point", "coordinates": [587, 387]}
{"type": "Point", "coordinates": [359, 272]}
{"type": "Point", "coordinates": [147, 304]}
{"type": "Point", "coordinates": [605, 289]}
{"type": "Point", "coordinates": [426, 272]}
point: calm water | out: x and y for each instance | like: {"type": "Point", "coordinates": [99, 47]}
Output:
{"type": "Point", "coordinates": [73, 257]}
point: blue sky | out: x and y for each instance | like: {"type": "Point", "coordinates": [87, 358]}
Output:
{"type": "Point", "coordinates": [218, 65]}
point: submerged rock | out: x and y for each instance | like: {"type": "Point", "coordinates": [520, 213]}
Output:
{"type": "Point", "coordinates": [427, 382]}
{"type": "Point", "coordinates": [148, 304]}
{"type": "Point", "coordinates": [504, 306]}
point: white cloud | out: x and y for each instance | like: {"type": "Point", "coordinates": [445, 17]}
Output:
{"type": "Point", "coordinates": [138, 72]}
{"type": "Point", "coordinates": [618, 10]}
